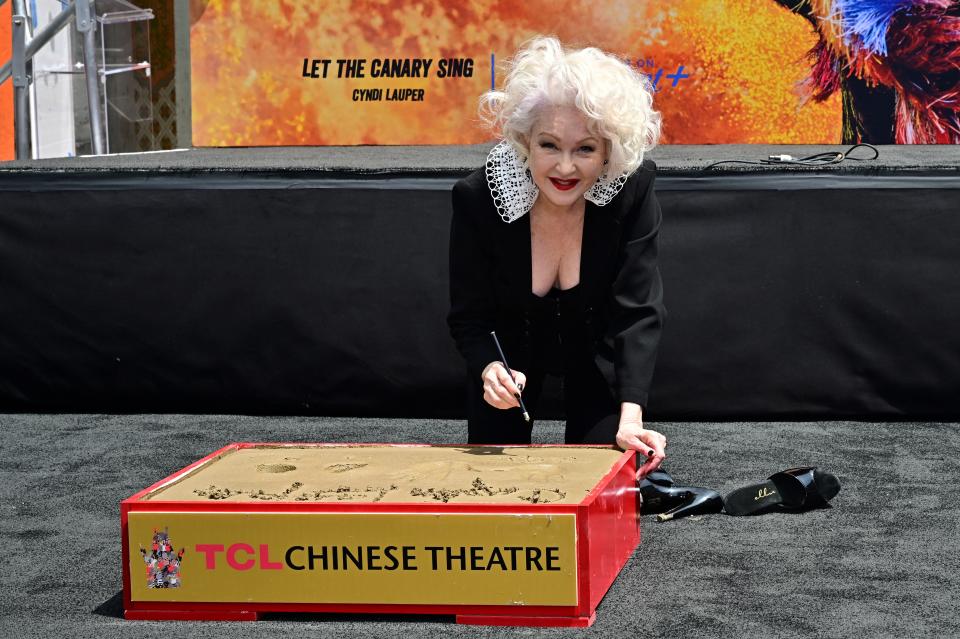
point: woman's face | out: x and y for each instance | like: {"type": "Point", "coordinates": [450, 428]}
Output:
{"type": "Point", "coordinates": [565, 157]}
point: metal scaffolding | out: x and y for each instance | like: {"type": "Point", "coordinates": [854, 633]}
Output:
{"type": "Point", "coordinates": [83, 12]}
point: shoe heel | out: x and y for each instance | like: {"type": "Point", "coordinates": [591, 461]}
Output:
{"type": "Point", "coordinates": [702, 501]}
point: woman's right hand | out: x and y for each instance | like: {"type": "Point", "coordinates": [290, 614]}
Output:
{"type": "Point", "coordinates": [498, 389]}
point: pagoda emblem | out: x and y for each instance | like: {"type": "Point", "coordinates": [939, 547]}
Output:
{"type": "Point", "coordinates": [163, 564]}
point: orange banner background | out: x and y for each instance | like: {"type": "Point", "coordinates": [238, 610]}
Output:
{"type": "Point", "coordinates": [744, 59]}
{"type": "Point", "coordinates": [6, 89]}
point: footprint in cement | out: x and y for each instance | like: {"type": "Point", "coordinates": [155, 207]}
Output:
{"type": "Point", "coordinates": [275, 468]}
{"type": "Point", "coordinates": [342, 468]}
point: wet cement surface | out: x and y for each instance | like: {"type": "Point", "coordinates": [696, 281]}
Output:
{"type": "Point", "coordinates": [395, 474]}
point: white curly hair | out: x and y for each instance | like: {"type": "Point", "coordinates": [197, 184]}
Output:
{"type": "Point", "coordinates": [616, 99]}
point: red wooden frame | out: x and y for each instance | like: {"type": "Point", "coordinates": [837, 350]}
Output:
{"type": "Point", "coordinates": [607, 524]}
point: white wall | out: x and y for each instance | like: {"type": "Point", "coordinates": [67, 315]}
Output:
{"type": "Point", "coordinates": [51, 97]}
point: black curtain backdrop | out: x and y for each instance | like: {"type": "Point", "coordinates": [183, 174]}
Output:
{"type": "Point", "coordinates": [788, 296]}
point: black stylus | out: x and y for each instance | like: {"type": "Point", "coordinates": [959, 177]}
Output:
{"type": "Point", "coordinates": [503, 358]}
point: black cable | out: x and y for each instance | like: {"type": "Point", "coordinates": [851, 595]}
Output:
{"type": "Point", "coordinates": [817, 159]}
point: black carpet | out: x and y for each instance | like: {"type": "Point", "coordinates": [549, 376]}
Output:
{"type": "Point", "coordinates": [883, 562]}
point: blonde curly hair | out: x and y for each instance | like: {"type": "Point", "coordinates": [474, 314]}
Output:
{"type": "Point", "coordinates": [616, 99]}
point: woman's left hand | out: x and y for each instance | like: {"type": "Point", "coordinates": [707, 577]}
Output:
{"type": "Point", "coordinates": [650, 444]}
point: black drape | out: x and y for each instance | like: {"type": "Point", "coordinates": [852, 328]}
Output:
{"type": "Point", "coordinates": [788, 295]}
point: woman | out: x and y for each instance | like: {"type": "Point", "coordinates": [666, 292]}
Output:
{"type": "Point", "coordinates": [553, 245]}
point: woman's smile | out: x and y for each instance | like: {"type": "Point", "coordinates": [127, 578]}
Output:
{"type": "Point", "coordinates": [564, 185]}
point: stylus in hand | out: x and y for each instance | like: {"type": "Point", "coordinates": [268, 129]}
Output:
{"type": "Point", "coordinates": [503, 358]}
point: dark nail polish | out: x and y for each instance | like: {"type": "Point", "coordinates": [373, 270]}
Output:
{"type": "Point", "coordinates": [650, 453]}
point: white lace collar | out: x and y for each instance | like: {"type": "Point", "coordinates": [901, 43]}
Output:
{"type": "Point", "coordinates": [514, 191]}
{"type": "Point", "coordinates": [511, 186]}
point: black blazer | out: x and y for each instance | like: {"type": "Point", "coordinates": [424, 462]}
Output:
{"type": "Point", "coordinates": [490, 281]}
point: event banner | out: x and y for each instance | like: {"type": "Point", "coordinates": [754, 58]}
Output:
{"type": "Point", "coordinates": [347, 72]}
{"type": "Point", "coordinates": [354, 558]}
{"type": "Point", "coordinates": [724, 71]}
{"type": "Point", "coordinates": [301, 72]}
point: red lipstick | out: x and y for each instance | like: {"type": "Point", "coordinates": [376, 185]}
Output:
{"type": "Point", "coordinates": [564, 185]}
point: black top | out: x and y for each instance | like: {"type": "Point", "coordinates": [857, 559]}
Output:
{"type": "Point", "coordinates": [558, 333]}
{"type": "Point", "coordinates": [619, 295]}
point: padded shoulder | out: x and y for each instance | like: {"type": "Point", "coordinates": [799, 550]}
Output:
{"type": "Point", "coordinates": [644, 175]}
{"type": "Point", "coordinates": [473, 184]}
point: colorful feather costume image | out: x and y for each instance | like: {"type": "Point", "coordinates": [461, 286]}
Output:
{"type": "Point", "coordinates": [896, 63]}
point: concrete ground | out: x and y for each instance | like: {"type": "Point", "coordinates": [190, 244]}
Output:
{"type": "Point", "coordinates": [883, 562]}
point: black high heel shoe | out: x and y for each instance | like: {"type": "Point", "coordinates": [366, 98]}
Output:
{"type": "Point", "coordinates": [792, 490]}
{"type": "Point", "coordinates": [668, 502]}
